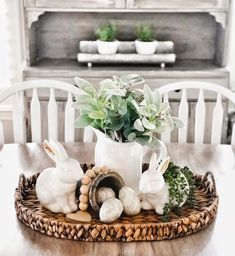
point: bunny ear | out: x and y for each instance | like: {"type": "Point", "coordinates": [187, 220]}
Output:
{"type": "Point", "coordinates": [164, 165]}
{"type": "Point", "coordinates": [153, 162]}
{"type": "Point", "coordinates": [49, 149]}
{"type": "Point", "coordinates": [58, 150]}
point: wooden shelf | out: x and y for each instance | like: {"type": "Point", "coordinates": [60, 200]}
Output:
{"type": "Point", "coordinates": [62, 68]}
{"type": "Point", "coordinates": [129, 10]}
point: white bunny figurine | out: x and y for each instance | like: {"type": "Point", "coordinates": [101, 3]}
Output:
{"type": "Point", "coordinates": [154, 189]}
{"type": "Point", "coordinates": [56, 186]}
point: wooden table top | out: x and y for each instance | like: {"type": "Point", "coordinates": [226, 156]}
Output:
{"type": "Point", "coordinates": [217, 239]}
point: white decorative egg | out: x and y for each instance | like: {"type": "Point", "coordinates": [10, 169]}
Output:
{"type": "Point", "coordinates": [103, 194]}
{"type": "Point", "coordinates": [111, 210]}
{"type": "Point", "coordinates": [130, 201]}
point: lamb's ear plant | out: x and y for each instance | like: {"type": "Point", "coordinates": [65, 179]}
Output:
{"type": "Point", "coordinates": [144, 33]}
{"type": "Point", "coordinates": [124, 112]}
{"type": "Point", "coordinates": [107, 32]}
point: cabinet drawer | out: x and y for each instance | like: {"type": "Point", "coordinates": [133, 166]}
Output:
{"type": "Point", "coordinates": [177, 4]}
{"type": "Point", "coordinates": [76, 3]}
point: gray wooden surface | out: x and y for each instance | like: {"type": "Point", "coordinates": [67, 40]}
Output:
{"type": "Point", "coordinates": [66, 70]}
{"type": "Point", "coordinates": [132, 58]}
{"type": "Point", "coordinates": [217, 240]}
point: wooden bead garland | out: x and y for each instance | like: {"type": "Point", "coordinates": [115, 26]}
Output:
{"type": "Point", "coordinates": [86, 182]}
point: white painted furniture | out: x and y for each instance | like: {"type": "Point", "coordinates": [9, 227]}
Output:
{"type": "Point", "coordinates": [37, 117]}
{"type": "Point", "coordinates": [200, 111]}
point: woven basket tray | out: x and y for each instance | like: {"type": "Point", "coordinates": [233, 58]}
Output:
{"type": "Point", "coordinates": [146, 226]}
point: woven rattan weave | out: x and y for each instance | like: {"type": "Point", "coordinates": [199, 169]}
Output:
{"type": "Point", "coordinates": [146, 226]}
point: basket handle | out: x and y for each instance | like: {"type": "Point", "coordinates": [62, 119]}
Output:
{"type": "Point", "coordinates": [211, 175]}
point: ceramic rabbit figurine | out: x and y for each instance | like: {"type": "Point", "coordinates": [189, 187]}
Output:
{"type": "Point", "coordinates": [56, 187]}
{"type": "Point", "coordinates": [155, 191]}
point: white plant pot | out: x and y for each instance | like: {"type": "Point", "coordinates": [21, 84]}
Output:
{"type": "Point", "coordinates": [126, 158]}
{"type": "Point", "coordinates": [105, 47]}
{"type": "Point", "coordinates": [145, 47]}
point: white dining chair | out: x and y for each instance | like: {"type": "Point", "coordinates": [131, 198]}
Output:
{"type": "Point", "coordinates": [36, 114]}
{"type": "Point", "coordinates": [200, 111]}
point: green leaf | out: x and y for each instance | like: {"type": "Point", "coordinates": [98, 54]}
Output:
{"type": "Point", "coordinates": [135, 104]}
{"type": "Point", "coordinates": [107, 84]}
{"type": "Point", "coordinates": [127, 122]}
{"type": "Point", "coordinates": [153, 107]}
{"type": "Point", "coordinates": [116, 92]}
{"type": "Point", "coordinates": [157, 99]}
{"type": "Point", "coordinates": [83, 98]}
{"type": "Point", "coordinates": [83, 121]}
{"type": "Point", "coordinates": [85, 106]}
{"type": "Point", "coordinates": [143, 140]}
{"type": "Point", "coordinates": [115, 124]}
{"type": "Point", "coordinates": [177, 122]}
{"type": "Point", "coordinates": [164, 108]}
{"type": "Point", "coordinates": [148, 95]}
{"type": "Point", "coordinates": [169, 123]}
{"type": "Point", "coordinates": [138, 125]}
{"type": "Point", "coordinates": [116, 101]}
{"type": "Point", "coordinates": [122, 110]}
{"type": "Point", "coordinates": [154, 143]}
{"type": "Point", "coordinates": [144, 110]}
{"type": "Point", "coordinates": [148, 125]}
{"type": "Point", "coordinates": [138, 92]}
{"type": "Point", "coordinates": [131, 137]}
{"type": "Point", "coordinates": [97, 115]}
{"type": "Point", "coordinates": [126, 132]}
{"type": "Point", "coordinates": [85, 86]}
{"type": "Point", "coordinates": [111, 134]}
{"type": "Point", "coordinates": [161, 129]}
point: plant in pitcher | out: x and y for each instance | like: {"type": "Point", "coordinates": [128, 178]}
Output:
{"type": "Point", "coordinates": [124, 118]}
{"type": "Point", "coordinates": [123, 112]}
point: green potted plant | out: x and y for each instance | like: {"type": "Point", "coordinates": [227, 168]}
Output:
{"type": "Point", "coordinates": [106, 38]}
{"type": "Point", "coordinates": [124, 119]}
{"type": "Point", "coordinates": [145, 42]}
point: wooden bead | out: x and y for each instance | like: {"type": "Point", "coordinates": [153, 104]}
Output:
{"type": "Point", "coordinates": [86, 180]}
{"type": "Point", "coordinates": [84, 189]}
{"type": "Point", "coordinates": [90, 173]}
{"type": "Point", "coordinates": [83, 198]}
{"type": "Point", "coordinates": [96, 169]}
{"type": "Point", "coordinates": [83, 206]}
{"type": "Point", "coordinates": [104, 168]}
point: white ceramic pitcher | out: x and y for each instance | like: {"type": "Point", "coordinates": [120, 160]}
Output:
{"type": "Point", "coordinates": [126, 158]}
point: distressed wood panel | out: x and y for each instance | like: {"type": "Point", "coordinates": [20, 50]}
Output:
{"type": "Point", "coordinates": [177, 4]}
{"type": "Point", "coordinates": [175, 27]}
{"type": "Point", "coordinates": [81, 3]}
